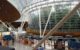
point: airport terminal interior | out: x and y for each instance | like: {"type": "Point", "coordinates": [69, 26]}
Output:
{"type": "Point", "coordinates": [39, 24]}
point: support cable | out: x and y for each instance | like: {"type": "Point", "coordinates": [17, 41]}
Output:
{"type": "Point", "coordinates": [40, 22]}
{"type": "Point", "coordinates": [47, 21]}
{"type": "Point", "coordinates": [4, 24]}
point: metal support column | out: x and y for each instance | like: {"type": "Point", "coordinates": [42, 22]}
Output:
{"type": "Point", "coordinates": [58, 25]}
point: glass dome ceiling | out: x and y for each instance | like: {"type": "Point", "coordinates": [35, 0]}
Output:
{"type": "Point", "coordinates": [44, 14]}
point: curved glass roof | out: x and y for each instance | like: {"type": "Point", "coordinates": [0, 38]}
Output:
{"type": "Point", "coordinates": [46, 13]}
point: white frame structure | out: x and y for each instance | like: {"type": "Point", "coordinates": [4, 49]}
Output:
{"type": "Point", "coordinates": [58, 25]}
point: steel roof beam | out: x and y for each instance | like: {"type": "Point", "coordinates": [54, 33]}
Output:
{"type": "Point", "coordinates": [59, 24]}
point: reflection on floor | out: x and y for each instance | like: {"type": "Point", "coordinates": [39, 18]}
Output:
{"type": "Point", "coordinates": [19, 46]}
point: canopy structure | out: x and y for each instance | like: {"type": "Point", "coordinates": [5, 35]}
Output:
{"type": "Point", "coordinates": [8, 13]}
{"type": "Point", "coordinates": [42, 15]}
{"type": "Point", "coordinates": [18, 24]}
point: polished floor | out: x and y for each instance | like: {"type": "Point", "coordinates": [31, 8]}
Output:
{"type": "Point", "coordinates": [19, 46]}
